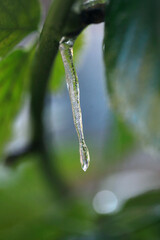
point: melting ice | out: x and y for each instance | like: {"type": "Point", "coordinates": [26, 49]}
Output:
{"type": "Point", "coordinates": [66, 49]}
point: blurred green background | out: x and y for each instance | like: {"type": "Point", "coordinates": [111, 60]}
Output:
{"type": "Point", "coordinates": [117, 198]}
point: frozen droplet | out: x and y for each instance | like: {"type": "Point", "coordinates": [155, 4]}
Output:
{"type": "Point", "coordinates": [84, 155]}
{"type": "Point", "coordinates": [66, 49]}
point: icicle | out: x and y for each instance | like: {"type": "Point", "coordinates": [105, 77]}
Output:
{"type": "Point", "coordinates": [66, 49]}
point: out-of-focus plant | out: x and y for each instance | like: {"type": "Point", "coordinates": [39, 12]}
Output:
{"type": "Point", "coordinates": [131, 55]}
{"type": "Point", "coordinates": [132, 60]}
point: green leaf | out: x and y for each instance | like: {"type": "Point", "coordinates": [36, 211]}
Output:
{"type": "Point", "coordinates": [24, 199]}
{"type": "Point", "coordinates": [119, 140]}
{"type": "Point", "coordinates": [18, 18]}
{"type": "Point", "coordinates": [139, 219]}
{"type": "Point", "coordinates": [132, 57]}
{"type": "Point", "coordinates": [13, 74]}
{"type": "Point", "coordinates": [28, 210]}
{"type": "Point", "coordinates": [58, 73]}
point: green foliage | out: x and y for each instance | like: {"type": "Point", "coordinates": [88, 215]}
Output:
{"type": "Point", "coordinates": [139, 219]}
{"type": "Point", "coordinates": [27, 209]}
{"type": "Point", "coordinates": [18, 19]}
{"type": "Point", "coordinates": [13, 76]}
{"type": "Point", "coordinates": [32, 213]}
{"type": "Point", "coordinates": [119, 140]}
{"type": "Point", "coordinates": [21, 203]}
{"type": "Point", "coordinates": [132, 47]}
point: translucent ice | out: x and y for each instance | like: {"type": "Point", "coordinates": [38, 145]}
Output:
{"type": "Point", "coordinates": [66, 49]}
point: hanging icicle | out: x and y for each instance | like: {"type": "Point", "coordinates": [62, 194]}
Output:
{"type": "Point", "coordinates": [66, 49]}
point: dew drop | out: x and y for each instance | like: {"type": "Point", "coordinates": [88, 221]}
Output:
{"type": "Point", "coordinates": [84, 155]}
{"type": "Point", "coordinates": [66, 49]}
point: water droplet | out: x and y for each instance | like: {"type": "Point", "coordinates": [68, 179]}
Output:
{"type": "Point", "coordinates": [84, 155]}
{"type": "Point", "coordinates": [66, 49]}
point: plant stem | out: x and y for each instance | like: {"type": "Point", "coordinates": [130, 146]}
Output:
{"type": "Point", "coordinates": [44, 59]}
{"type": "Point", "coordinates": [60, 21]}
{"type": "Point", "coordinates": [47, 50]}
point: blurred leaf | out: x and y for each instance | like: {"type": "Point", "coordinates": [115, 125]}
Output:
{"type": "Point", "coordinates": [18, 19]}
{"type": "Point", "coordinates": [58, 73]}
{"type": "Point", "coordinates": [24, 198]}
{"type": "Point", "coordinates": [132, 56]}
{"type": "Point", "coordinates": [13, 74]}
{"type": "Point", "coordinates": [149, 199]}
{"type": "Point", "coordinates": [139, 219]}
{"type": "Point", "coordinates": [119, 140]}
{"type": "Point", "coordinates": [29, 211]}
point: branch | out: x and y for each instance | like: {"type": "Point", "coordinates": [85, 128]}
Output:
{"type": "Point", "coordinates": [18, 154]}
{"type": "Point", "coordinates": [44, 59]}
{"type": "Point", "coordinates": [77, 22]}
{"type": "Point", "coordinates": [62, 21]}
{"type": "Point", "coordinates": [46, 53]}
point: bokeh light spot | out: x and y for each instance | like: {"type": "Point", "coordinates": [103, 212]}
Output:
{"type": "Point", "coordinates": [105, 202]}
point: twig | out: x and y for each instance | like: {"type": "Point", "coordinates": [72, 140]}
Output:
{"type": "Point", "coordinates": [43, 62]}
{"type": "Point", "coordinates": [61, 21]}
{"type": "Point", "coordinates": [22, 152]}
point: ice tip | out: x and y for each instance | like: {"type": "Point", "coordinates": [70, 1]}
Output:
{"type": "Point", "coordinates": [85, 166]}
{"type": "Point", "coordinates": [84, 157]}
